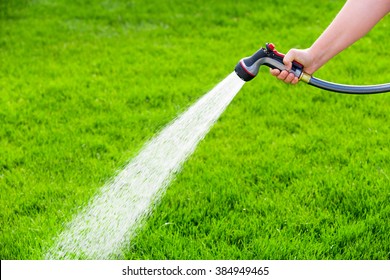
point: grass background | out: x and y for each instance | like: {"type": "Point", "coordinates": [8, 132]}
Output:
{"type": "Point", "coordinates": [288, 172]}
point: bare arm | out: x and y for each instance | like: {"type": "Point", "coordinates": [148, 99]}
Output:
{"type": "Point", "coordinates": [354, 20]}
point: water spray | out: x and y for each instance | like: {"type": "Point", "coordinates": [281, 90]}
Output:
{"type": "Point", "coordinates": [248, 68]}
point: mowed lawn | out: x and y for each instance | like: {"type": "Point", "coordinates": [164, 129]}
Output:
{"type": "Point", "coordinates": [288, 172]}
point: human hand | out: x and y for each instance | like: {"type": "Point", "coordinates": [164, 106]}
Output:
{"type": "Point", "coordinates": [304, 57]}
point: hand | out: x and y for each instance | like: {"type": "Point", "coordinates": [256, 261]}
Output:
{"type": "Point", "coordinates": [303, 57]}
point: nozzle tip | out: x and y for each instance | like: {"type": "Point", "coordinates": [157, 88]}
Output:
{"type": "Point", "coordinates": [242, 72]}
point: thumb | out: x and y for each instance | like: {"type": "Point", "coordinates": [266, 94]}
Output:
{"type": "Point", "coordinates": [289, 58]}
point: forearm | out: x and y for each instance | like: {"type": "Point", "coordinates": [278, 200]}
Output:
{"type": "Point", "coordinates": [355, 19]}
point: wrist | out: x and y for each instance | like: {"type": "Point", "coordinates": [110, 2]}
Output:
{"type": "Point", "coordinates": [317, 58]}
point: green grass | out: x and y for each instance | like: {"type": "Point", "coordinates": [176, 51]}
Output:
{"type": "Point", "coordinates": [286, 173]}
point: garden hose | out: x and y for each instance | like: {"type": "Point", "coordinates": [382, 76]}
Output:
{"type": "Point", "coordinates": [247, 68]}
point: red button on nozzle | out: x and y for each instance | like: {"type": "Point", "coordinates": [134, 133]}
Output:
{"type": "Point", "coordinates": [271, 47]}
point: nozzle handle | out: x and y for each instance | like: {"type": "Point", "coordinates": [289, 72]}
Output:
{"type": "Point", "coordinates": [276, 61]}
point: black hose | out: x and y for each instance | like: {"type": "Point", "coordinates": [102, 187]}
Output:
{"type": "Point", "coordinates": [348, 89]}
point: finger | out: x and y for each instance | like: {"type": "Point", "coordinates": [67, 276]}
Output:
{"type": "Point", "coordinates": [290, 77]}
{"type": "Point", "coordinates": [283, 75]}
{"type": "Point", "coordinates": [274, 72]}
{"type": "Point", "coordinates": [295, 81]}
{"type": "Point", "coordinates": [288, 64]}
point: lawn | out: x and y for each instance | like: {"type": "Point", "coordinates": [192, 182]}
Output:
{"type": "Point", "coordinates": [288, 172]}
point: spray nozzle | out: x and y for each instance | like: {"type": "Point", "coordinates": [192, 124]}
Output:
{"type": "Point", "coordinates": [248, 67]}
